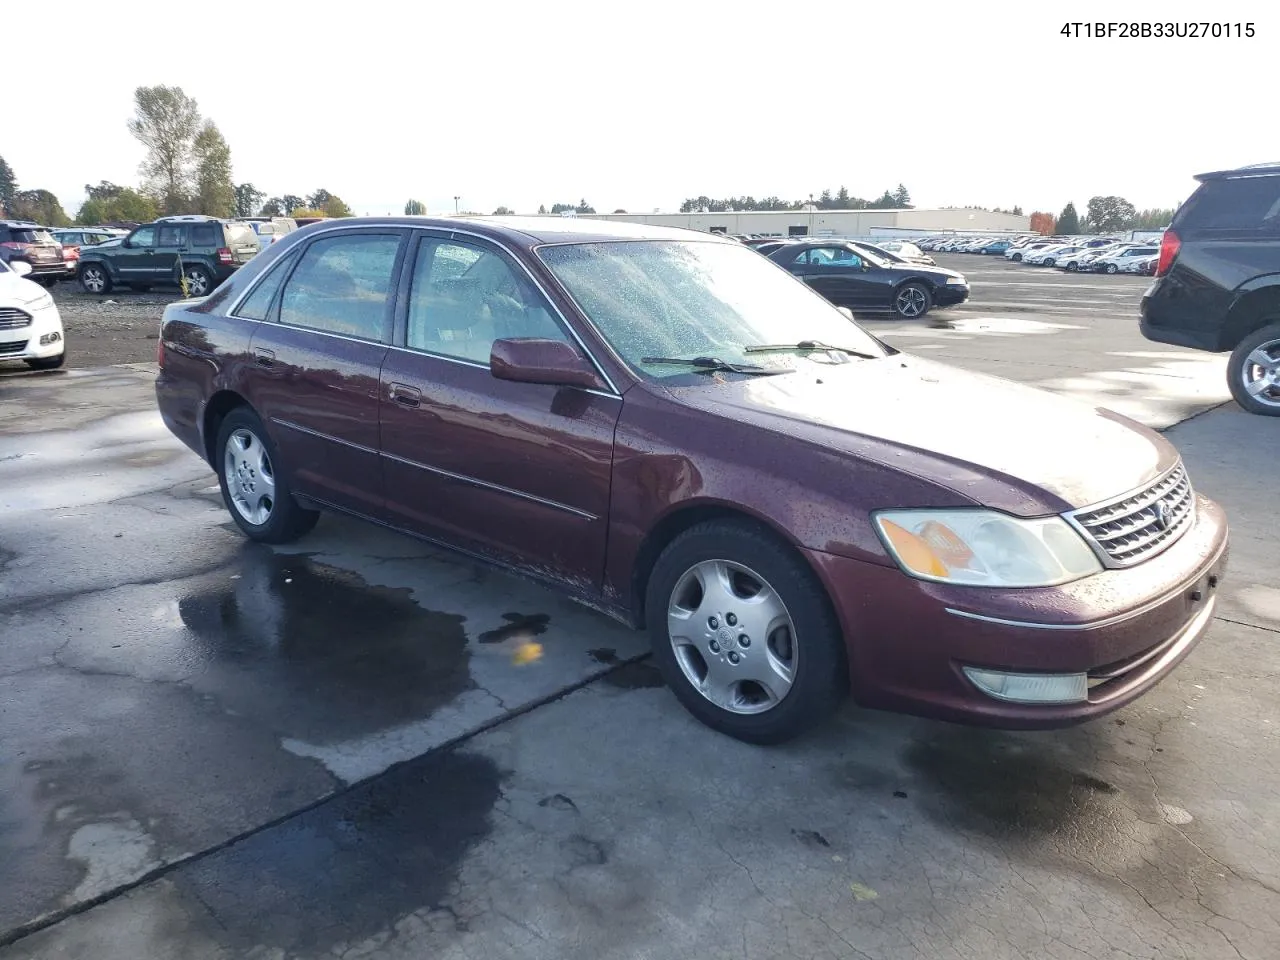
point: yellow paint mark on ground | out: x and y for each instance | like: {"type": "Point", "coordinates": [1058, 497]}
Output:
{"type": "Point", "coordinates": [862, 892]}
{"type": "Point", "coordinates": [527, 652]}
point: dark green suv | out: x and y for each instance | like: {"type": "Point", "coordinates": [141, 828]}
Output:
{"type": "Point", "coordinates": [204, 250]}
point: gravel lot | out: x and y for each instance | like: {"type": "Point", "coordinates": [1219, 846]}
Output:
{"type": "Point", "coordinates": [120, 328]}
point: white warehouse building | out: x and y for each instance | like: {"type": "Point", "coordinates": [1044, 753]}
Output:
{"type": "Point", "coordinates": [835, 223]}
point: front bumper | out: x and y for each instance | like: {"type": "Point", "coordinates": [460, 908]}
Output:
{"type": "Point", "coordinates": [909, 640]}
{"type": "Point", "coordinates": [24, 343]}
{"type": "Point", "coordinates": [949, 294]}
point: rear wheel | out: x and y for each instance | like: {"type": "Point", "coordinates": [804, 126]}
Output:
{"type": "Point", "coordinates": [199, 282]}
{"type": "Point", "coordinates": [1016, 257]}
{"type": "Point", "coordinates": [912, 300]}
{"type": "Point", "coordinates": [255, 488]}
{"type": "Point", "coordinates": [1071, 266]}
{"type": "Point", "coordinates": [1253, 372]}
{"type": "Point", "coordinates": [744, 633]}
{"type": "Point", "coordinates": [1112, 268]}
{"type": "Point", "coordinates": [94, 278]}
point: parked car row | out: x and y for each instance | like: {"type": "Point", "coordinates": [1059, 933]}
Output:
{"type": "Point", "coordinates": [1089, 255]}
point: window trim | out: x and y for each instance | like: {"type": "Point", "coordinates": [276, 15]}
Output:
{"type": "Point", "coordinates": [400, 339]}
{"type": "Point", "coordinates": [389, 311]}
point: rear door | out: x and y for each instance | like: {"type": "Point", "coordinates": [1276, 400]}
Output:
{"type": "Point", "coordinates": [317, 356]}
{"type": "Point", "coordinates": [171, 242]}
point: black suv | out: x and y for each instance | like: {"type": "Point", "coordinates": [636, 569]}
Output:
{"type": "Point", "coordinates": [1217, 283]}
{"type": "Point", "coordinates": [33, 244]}
{"type": "Point", "coordinates": [204, 250]}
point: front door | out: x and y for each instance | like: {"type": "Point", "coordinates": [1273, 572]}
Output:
{"type": "Point", "coordinates": [839, 274]}
{"type": "Point", "coordinates": [133, 262]}
{"type": "Point", "coordinates": [516, 472]}
{"type": "Point", "coordinates": [315, 361]}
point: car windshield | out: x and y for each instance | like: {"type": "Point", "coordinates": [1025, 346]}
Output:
{"type": "Point", "coordinates": [672, 299]}
{"type": "Point", "coordinates": [27, 235]}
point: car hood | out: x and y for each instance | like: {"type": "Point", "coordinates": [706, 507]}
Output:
{"type": "Point", "coordinates": [998, 443]}
{"type": "Point", "coordinates": [937, 274]}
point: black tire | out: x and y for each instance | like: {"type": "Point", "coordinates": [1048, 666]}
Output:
{"type": "Point", "coordinates": [1071, 266]}
{"type": "Point", "coordinates": [1050, 262]}
{"type": "Point", "coordinates": [1239, 366]}
{"type": "Point", "coordinates": [917, 294]}
{"type": "Point", "coordinates": [1112, 268]}
{"type": "Point", "coordinates": [1016, 257]}
{"type": "Point", "coordinates": [285, 521]}
{"type": "Point", "coordinates": [48, 363]}
{"type": "Point", "coordinates": [199, 280]}
{"type": "Point", "coordinates": [48, 282]}
{"type": "Point", "coordinates": [92, 274]}
{"type": "Point", "coordinates": [821, 677]}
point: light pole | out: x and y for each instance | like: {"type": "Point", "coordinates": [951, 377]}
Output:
{"type": "Point", "coordinates": [811, 214]}
{"type": "Point", "coordinates": [455, 204]}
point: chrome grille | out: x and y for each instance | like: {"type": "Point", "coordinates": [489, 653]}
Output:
{"type": "Point", "coordinates": [11, 318]}
{"type": "Point", "coordinates": [1140, 525]}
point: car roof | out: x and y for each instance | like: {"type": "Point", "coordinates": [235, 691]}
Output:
{"type": "Point", "coordinates": [552, 229]}
{"type": "Point", "coordinates": [1252, 170]}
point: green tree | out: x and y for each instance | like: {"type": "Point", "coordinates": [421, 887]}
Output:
{"type": "Point", "coordinates": [274, 207]}
{"type": "Point", "coordinates": [542, 209]}
{"type": "Point", "coordinates": [503, 212]}
{"type": "Point", "coordinates": [109, 203]}
{"type": "Point", "coordinates": [215, 193]}
{"type": "Point", "coordinates": [291, 203]}
{"type": "Point", "coordinates": [584, 207]}
{"type": "Point", "coordinates": [619, 210]}
{"type": "Point", "coordinates": [842, 199]}
{"type": "Point", "coordinates": [307, 212]}
{"type": "Point", "coordinates": [901, 198]}
{"type": "Point", "coordinates": [557, 208]}
{"type": "Point", "coordinates": [885, 202]}
{"type": "Point", "coordinates": [1068, 221]}
{"type": "Point", "coordinates": [8, 188]}
{"type": "Point", "coordinates": [335, 207]}
{"type": "Point", "coordinates": [825, 200]}
{"type": "Point", "coordinates": [320, 199]}
{"type": "Point", "coordinates": [415, 208]}
{"type": "Point", "coordinates": [1154, 219]}
{"type": "Point", "coordinates": [166, 121]}
{"type": "Point", "coordinates": [248, 199]}
{"type": "Point", "coordinates": [1109, 214]}
{"type": "Point", "coordinates": [41, 206]}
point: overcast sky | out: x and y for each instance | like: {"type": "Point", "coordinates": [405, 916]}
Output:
{"type": "Point", "coordinates": [641, 105]}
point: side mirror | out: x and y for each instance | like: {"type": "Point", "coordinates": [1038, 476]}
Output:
{"type": "Point", "coordinates": [20, 267]}
{"type": "Point", "coordinates": [846, 311]}
{"type": "Point", "coordinates": [126, 242]}
{"type": "Point", "coordinates": [534, 360]}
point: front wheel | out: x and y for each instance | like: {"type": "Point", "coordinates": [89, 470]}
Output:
{"type": "Point", "coordinates": [1016, 257]}
{"type": "Point", "coordinates": [1071, 266]}
{"type": "Point", "coordinates": [1049, 262]}
{"type": "Point", "coordinates": [1112, 268]}
{"type": "Point", "coordinates": [254, 487]}
{"type": "Point", "coordinates": [94, 278]}
{"type": "Point", "coordinates": [912, 300]}
{"type": "Point", "coordinates": [744, 634]}
{"type": "Point", "coordinates": [1253, 372]}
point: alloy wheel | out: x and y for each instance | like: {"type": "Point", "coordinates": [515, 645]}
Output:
{"type": "Point", "coordinates": [251, 480]}
{"type": "Point", "coordinates": [197, 283]}
{"type": "Point", "coordinates": [911, 301]}
{"type": "Point", "coordinates": [733, 638]}
{"type": "Point", "coordinates": [1260, 373]}
{"type": "Point", "coordinates": [93, 279]}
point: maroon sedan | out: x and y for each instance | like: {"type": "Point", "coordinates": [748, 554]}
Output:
{"type": "Point", "coordinates": [671, 428]}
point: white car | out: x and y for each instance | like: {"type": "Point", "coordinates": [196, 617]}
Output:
{"type": "Point", "coordinates": [30, 325]}
{"type": "Point", "coordinates": [1049, 256]}
{"type": "Point", "coordinates": [1115, 262]}
{"type": "Point", "coordinates": [1028, 250]}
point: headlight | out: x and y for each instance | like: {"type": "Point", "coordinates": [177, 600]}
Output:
{"type": "Point", "coordinates": [958, 281]}
{"type": "Point", "coordinates": [985, 548]}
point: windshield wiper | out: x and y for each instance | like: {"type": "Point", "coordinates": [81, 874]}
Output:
{"type": "Point", "coordinates": [807, 346]}
{"type": "Point", "coordinates": [711, 364]}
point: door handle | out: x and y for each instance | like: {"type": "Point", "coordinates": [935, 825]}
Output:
{"type": "Point", "coordinates": [405, 395]}
{"type": "Point", "coordinates": [264, 358]}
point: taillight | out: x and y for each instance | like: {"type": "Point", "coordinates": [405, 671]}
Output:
{"type": "Point", "coordinates": [1169, 247]}
{"type": "Point", "coordinates": [15, 245]}
{"type": "Point", "coordinates": [224, 255]}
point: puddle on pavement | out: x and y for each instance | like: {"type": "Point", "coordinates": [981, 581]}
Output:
{"type": "Point", "coordinates": [519, 626]}
{"type": "Point", "coordinates": [317, 654]}
{"type": "Point", "coordinates": [351, 869]}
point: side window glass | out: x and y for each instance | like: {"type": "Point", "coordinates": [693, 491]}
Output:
{"type": "Point", "coordinates": [144, 237]}
{"type": "Point", "coordinates": [258, 303]}
{"type": "Point", "coordinates": [465, 297]}
{"type": "Point", "coordinates": [205, 235]}
{"type": "Point", "coordinates": [170, 237]}
{"type": "Point", "coordinates": [803, 258]}
{"type": "Point", "coordinates": [341, 286]}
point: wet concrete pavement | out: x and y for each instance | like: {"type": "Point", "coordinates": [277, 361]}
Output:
{"type": "Point", "coordinates": [250, 733]}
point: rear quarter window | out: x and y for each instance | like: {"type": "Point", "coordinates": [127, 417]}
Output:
{"type": "Point", "coordinates": [204, 236]}
{"type": "Point", "coordinates": [1244, 205]}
